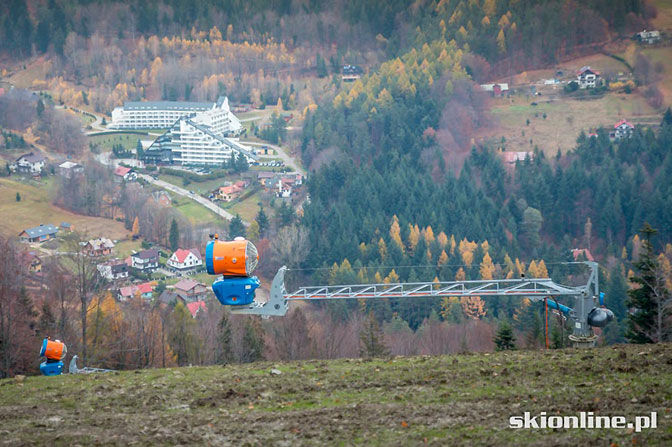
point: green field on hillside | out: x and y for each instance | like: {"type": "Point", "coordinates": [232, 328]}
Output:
{"type": "Point", "coordinates": [447, 400]}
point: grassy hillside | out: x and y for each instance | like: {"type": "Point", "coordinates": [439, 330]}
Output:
{"type": "Point", "coordinates": [448, 400]}
{"type": "Point", "coordinates": [35, 208]}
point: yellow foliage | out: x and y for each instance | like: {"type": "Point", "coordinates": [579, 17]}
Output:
{"type": "Point", "coordinates": [413, 236]}
{"type": "Point", "coordinates": [382, 249]}
{"type": "Point", "coordinates": [487, 269]}
{"type": "Point", "coordinates": [460, 275]}
{"type": "Point", "coordinates": [442, 239]}
{"type": "Point", "coordinates": [395, 232]}
{"type": "Point", "coordinates": [443, 257]}
{"type": "Point", "coordinates": [392, 278]}
{"type": "Point", "coordinates": [473, 307]}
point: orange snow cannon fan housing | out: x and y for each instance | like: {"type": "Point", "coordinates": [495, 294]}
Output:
{"type": "Point", "coordinates": [54, 351]}
{"type": "Point", "coordinates": [235, 260]}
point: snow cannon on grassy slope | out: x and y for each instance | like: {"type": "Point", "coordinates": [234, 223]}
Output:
{"type": "Point", "coordinates": [235, 260]}
{"type": "Point", "coordinates": [54, 351]}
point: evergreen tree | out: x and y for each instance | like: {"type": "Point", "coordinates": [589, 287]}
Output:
{"type": "Point", "coordinates": [40, 108]}
{"type": "Point", "coordinates": [236, 227]}
{"type": "Point", "coordinates": [647, 320]}
{"type": "Point", "coordinates": [262, 221]}
{"type": "Point", "coordinates": [174, 236]}
{"type": "Point", "coordinates": [224, 354]}
{"type": "Point", "coordinates": [285, 215]}
{"type": "Point", "coordinates": [18, 197]}
{"type": "Point", "coordinates": [371, 338]}
{"type": "Point", "coordinates": [252, 343]}
{"type": "Point", "coordinates": [504, 338]}
{"type": "Point", "coordinates": [46, 326]}
{"type": "Point", "coordinates": [139, 151]}
{"type": "Point", "coordinates": [321, 65]}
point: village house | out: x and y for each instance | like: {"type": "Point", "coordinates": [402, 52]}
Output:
{"type": "Point", "coordinates": [113, 270]}
{"type": "Point", "coordinates": [511, 157]}
{"type": "Point", "coordinates": [101, 246]}
{"type": "Point", "coordinates": [31, 261]}
{"type": "Point", "coordinates": [69, 169]}
{"type": "Point", "coordinates": [622, 130]}
{"type": "Point", "coordinates": [582, 254]}
{"type": "Point", "coordinates": [229, 193]}
{"type": "Point", "coordinates": [190, 290]}
{"type": "Point", "coordinates": [145, 260]}
{"type": "Point", "coordinates": [145, 290]}
{"type": "Point", "coordinates": [496, 89]}
{"type": "Point", "coordinates": [122, 173]}
{"type": "Point", "coordinates": [265, 178]}
{"type": "Point", "coordinates": [649, 37]}
{"type": "Point", "coordinates": [588, 78]}
{"type": "Point", "coordinates": [184, 260]}
{"type": "Point", "coordinates": [38, 234]}
{"type": "Point", "coordinates": [351, 73]}
{"type": "Point", "coordinates": [31, 163]}
{"type": "Point", "coordinates": [67, 226]}
{"type": "Point", "coordinates": [169, 298]}
{"type": "Point", "coordinates": [196, 307]}
{"type": "Point", "coordinates": [162, 198]}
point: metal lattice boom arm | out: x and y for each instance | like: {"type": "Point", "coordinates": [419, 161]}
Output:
{"type": "Point", "coordinates": [504, 287]}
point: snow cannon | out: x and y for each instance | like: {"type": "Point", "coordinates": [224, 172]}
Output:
{"type": "Point", "coordinates": [235, 260]}
{"type": "Point", "coordinates": [54, 351]}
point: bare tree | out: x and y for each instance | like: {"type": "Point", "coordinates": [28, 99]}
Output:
{"type": "Point", "coordinates": [86, 280]}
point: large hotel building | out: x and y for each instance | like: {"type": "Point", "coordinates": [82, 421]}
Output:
{"type": "Point", "coordinates": [198, 133]}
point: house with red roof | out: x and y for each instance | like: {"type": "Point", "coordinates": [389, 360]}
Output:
{"type": "Point", "coordinates": [196, 307]}
{"type": "Point", "coordinates": [184, 260]}
{"type": "Point", "coordinates": [622, 129]}
{"type": "Point", "coordinates": [229, 193]}
{"type": "Point", "coordinates": [122, 173]}
{"type": "Point", "coordinates": [145, 291]}
{"type": "Point", "coordinates": [586, 77]}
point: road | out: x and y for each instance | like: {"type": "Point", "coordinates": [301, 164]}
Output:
{"type": "Point", "coordinates": [212, 206]}
{"type": "Point", "coordinates": [105, 159]}
{"type": "Point", "coordinates": [289, 161]}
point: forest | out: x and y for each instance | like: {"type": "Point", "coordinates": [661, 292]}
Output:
{"type": "Point", "coordinates": [398, 192]}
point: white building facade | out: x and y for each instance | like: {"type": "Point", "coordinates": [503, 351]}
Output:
{"type": "Point", "coordinates": [163, 114]}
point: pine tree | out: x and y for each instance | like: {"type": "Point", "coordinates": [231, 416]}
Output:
{"type": "Point", "coordinates": [18, 197]}
{"type": "Point", "coordinates": [262, 221]}
{"type": "Point", "coordinates": [650, 300]}
{"type": "Point", "coordinates": [236, 227]}
{"type": "Point", "coordinates": [252, 344]}
{"type": "Point", "coordinates": [371, 338]}
{"type": "Point", "coordinates": [139, 151]}
{"type": "Point", "coordinates": [504, 338]}
{"type": "Point", "coordinates": [174, 236]}
{"type": "Point", "coordinates": [224, 353]}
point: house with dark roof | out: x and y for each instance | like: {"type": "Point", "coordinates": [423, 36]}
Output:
{"type": "Point", "coordinates": [38, 234]}
{"type": "Point", "coordinates": [169, 297]}
{"type": "Point", "coordinates": [67, 226]}
{"type": "Point", "coordinates": [351, 73]}
{"type": "Point", "coordinates": [113, 270]}
{"type": "Point", "coordinates": [586, 77]}
{"type": "Point", "coordinates": [185, 260]}
{"type": "Point", "coordinates": [31, 163]}
{"type": "Point", "coordinates": [190, 290]}
{"type": "Point", "coordinates": [145, 260]}
{"type": "Point", "coordinates": [622, 129]}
